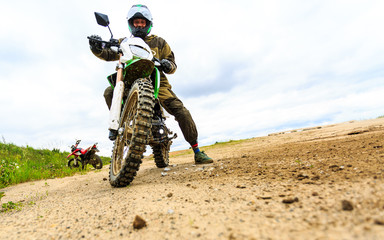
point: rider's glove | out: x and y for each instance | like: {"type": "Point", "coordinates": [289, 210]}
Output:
{"type": "Point", "coordinates": [95, 46]}
{"type": "Point", "coordinates": [166, 65]}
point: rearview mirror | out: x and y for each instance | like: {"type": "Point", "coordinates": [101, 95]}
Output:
{"type": "Point", "coordinates": [102, 19]}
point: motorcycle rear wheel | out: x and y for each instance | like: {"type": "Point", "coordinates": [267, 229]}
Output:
{"type": "Point", "coordinates": [99, 162]}
{"type": "Point", "coordinates": [161, 154]}
{"type": "Point", "coordinates": [135, 126]}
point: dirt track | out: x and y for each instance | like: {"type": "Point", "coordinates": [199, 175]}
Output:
{"type": "Point", "coordinates": [319, 183]}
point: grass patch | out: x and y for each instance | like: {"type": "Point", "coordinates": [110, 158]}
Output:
{"type": "Point", "coordinates": [230, 142]}
{"type": "Point", "coordinates": [181, 152]}
{"type": "Point", "coordinates": [224, 144]}
{"type": "Point", "coordinates": [23, 164]}
{"type": "Point", "coordinates": [203, 148]}
{"type": "Point", "coordinates": [10, 206]}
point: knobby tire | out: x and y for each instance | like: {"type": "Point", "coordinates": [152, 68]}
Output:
{"type": "Point", "coordinates": [99, 162]}
{"type": "Point", "coordinates": [129, 147]}
{"type": "Point", "coordinates": [161, 154]}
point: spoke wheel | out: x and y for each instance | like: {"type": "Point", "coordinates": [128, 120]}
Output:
{"type": "Point", "coordinates": [134, 128]}
{"type": "Point", "coordinates": [123, 141]}
{"type": "Point", "coordinates": [71, 163]}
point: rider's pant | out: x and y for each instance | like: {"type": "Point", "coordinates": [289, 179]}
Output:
{"type": "Point", "coordinates": [173, 105]}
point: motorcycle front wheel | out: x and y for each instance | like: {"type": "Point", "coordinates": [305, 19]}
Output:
{"type": "Point", "coordinates": [134, 128]}
{"type": "Point", "coordinates": [71, 163]}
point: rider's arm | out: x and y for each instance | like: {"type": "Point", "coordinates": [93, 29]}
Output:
{"type": "Point", "coordinates": [166, 53]}
{"type": "Point", "coordinates": [107, 54]}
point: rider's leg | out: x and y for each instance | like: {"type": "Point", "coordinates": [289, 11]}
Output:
{"type": "Point", "coordinates": [174, 106]}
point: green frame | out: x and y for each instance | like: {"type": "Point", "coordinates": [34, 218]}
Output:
{"type": "Point", "coordinates": [130, 62]}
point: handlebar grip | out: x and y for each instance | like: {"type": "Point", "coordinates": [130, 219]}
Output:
{"type": "Point", "coordinates": [95, 39]}
{"type": "Point", "coordinates": [111, 43]}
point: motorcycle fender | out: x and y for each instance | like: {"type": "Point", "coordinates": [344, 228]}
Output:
{"type": "Point", "coordinates": [74, 153]}
{"type": "Point", "coordinates": [114, 113]}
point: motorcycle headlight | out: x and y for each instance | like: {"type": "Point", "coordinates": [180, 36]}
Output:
{"type": "Point", "coordinates": [139, 51]}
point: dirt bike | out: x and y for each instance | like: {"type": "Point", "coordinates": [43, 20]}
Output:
{"type": "Point", "coordinates": [136, 114]}
{"type": "Point", "coordinates": [84, 156]}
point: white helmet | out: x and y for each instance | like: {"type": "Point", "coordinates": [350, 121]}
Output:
{"type": "Point", "coordinates": [139, 11]}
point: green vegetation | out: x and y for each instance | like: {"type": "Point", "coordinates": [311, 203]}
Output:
{"type": "Point", "coordinates": [382, 116]}
{"type": "Point", "coordinates": [203, 148]}
{"type": "Point", "coordinates": [23, 164]}
{"type": "Point", "coordinates": [229, 142]}
{"type": "Point", "coordinates": [9, 206]}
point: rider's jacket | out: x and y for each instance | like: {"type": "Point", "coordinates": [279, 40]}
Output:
{"type": "Point", "coordinates": [158, 45]}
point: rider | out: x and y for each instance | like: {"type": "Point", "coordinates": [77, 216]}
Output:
{"type": "Point", "coordinates": [140, 23]}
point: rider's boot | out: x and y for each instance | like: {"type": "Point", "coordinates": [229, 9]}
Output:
{"type": "Point", "coordinates": [202, 158]}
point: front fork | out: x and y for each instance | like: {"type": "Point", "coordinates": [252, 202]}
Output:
{"type": "Point", "coordinates": [75, 160]}
{"type": "Point", "coordinates": [114, 113]}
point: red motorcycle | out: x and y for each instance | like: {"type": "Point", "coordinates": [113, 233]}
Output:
{"type": "Point", "coordinates": [84, 156]}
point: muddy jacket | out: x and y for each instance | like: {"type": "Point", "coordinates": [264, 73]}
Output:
{"type": "Point", "coordinates": [159, 46]}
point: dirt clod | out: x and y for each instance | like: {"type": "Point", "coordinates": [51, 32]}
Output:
{"type": "Point", "coordinates": [346, 205]}
{"type": "Point", "coordinates": [302, 177]}
{"type": "Point", "coordinates": [139, 222]}
{"type": "Point", "coordinates": [290, 200]}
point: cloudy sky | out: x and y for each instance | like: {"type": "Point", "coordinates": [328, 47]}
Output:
{"type": "Point", "coordinates": [245, 68]}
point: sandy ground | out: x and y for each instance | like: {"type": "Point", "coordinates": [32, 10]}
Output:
{"type": "Point", "coordinates": [318, 183]}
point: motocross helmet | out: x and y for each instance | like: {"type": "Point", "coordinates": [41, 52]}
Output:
{"type": "Point", "coordinates": [139, 11]}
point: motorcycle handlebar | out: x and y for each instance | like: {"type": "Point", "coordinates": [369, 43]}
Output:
{"type": "Point", "coordinates": [115, 43]}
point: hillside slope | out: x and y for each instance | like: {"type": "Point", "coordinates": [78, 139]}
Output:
{"type": "Point", "coordinates": [318, 183]}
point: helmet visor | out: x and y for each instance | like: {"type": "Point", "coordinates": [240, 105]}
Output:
{"type": "Point", "coordinates": [139, 11]}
